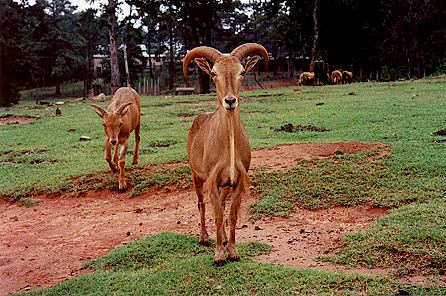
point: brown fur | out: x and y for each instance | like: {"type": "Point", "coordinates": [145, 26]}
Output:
{"type": "Point", "coordinates": [219, 151]}
{"type": "Point", "coordinates": [321, 73]}
{"type": "Point", "coordinates": [306, 78]}
{"type": "Point", "coordinates": [336, 77]}
{"type": "Point", "coordinates": [347, 77]}
{"type": "Point", "coordinates": [121, 118]}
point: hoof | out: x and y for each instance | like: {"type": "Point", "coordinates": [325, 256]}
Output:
{"type": "Point", "coordinates": [219, 257]}
{"type": "Point", "coordinates": [123, 187]}
{"type": "Point", "coordinates": [219, 261]}
{"type": "Point", "coordinates": [203, 238]}
{"type": "Point", "coordinates": [203, 243]}
{"type": "Point", "coordinates": [234, 257]}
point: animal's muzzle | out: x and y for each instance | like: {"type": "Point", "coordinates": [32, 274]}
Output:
{"type": "Point", "coordinates": [113, 142]}
{"type": "Point", "coordinates": [230, 103]}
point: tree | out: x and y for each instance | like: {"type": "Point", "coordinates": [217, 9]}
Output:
{"type": "Point", "coordinates": [18, 58]}
{"type": "Point", "coordinates": [200, 27]}
{"type": "Point", "coordinates": [63, 43]}
{"type": "Point", "coordinates": [114, 62]}
{"type": "Point", "coordinates": [132, 38]}
{"type": "Point", "coordinates": [315, 33]}
{"type": "Point", "coordinates": [94, 35]}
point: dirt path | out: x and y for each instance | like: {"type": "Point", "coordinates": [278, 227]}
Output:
{"type": "Point", "coordinates": [47, 244]}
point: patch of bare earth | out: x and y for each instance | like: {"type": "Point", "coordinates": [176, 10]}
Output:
{"type": "Point", "coordinates": [14, 119]}
{"type": "Point", "coordinates": [47, 244]}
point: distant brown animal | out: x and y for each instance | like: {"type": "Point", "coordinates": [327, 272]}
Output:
{"type": "Point", "coordinates": [217, 143]}
{"type": "Point", "coordinates": [306, 78]}
{"type": "Point", "coordinates": [121, 118]}
{"type": "Point", "coordinates": [347, 77]}
{"type": "Point", "coordinates": [321, 72]}
{"type": "Point", "coordinates": [336, 77]}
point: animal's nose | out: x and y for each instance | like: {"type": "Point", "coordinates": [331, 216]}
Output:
{"type": "Point", "coordinates": [113, 142]}
{"type": "Point", "coordinates": [230, 101]}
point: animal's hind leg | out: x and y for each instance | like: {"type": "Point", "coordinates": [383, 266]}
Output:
{"type": "Point", "coordinates": [224, 193]}
{"type": "Point", "coordinates": [137, 140]}
{"type": "Point", "coordinates": [204, 237]}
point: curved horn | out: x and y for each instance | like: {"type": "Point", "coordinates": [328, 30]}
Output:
{"type": "Point", "coordinates": [200, 52]}
{"type": "Point", "coordinates": [247, 48]}
{"type": "Point", "coordinates": [120, 109]}
{"type": "Point", "coordinates": [101, 109]}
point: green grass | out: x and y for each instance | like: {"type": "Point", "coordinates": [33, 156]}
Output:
{"type": "Point", "coordinates": [382, 112]}
{"type": "Point", "coordinates": [162, 177]}
{"type": "Point", "coordinates": [174, 264]}
{"type": "Point", "coordinates": [410, 239]}
{"type": "Point", "coordinates": [44, 157]}
{"type": "Point", "coordinates": [67, 89]}
{"type": "Point", "coordinates": [344, 180]}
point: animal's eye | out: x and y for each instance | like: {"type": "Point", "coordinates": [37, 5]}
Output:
{"type": "Point", "coordinates": [120, 124]}
{"type": "Point", "coordinates": [213, 74]}
{"type": "Point", "coordinates": [243, 73]}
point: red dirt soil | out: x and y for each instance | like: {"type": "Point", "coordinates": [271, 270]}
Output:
{"type": "Point", "coordinates": [44, 245]}
{"type": "Point", "coordinates": [12, 119]}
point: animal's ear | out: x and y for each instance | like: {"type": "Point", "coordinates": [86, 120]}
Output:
{"type": "Point", "coordinates": [251, 63]}
{"type": "Point", "coordinates": [124, 108]}
{"type": "Point", "coordinates": [101, 110]}
{"type": "Point", "coordinates": [204, 65]}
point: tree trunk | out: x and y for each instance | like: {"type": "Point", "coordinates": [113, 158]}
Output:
{"type": "Point", "coordinates": [409, 63]}
{"type": "Point", "coordinates": [315, 34]}
{"type": "Point", "coordinates": [205, 82]}
{"type": "Point", "coordinates": [149, 51]}
{"type": "Point", "coordinates": [126, 64]}
{"type": "Point", "coordinates": [114, 62]}
{"type": "Point", "coordinates": [57, 89]}
{"type": "Point", "coordinates": [203, 77]}
{"type": "Point", "coordinates": [290, 63]}
{"type": "Point", "coordinates": [90, 70]}
{"type": "Point", "coordinates": [419, 73]}
{"type": "Point", "coordinates": [171, 57]}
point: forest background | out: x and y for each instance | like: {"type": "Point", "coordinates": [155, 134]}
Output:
{"type": "Point", "coordinates": [52, 43]}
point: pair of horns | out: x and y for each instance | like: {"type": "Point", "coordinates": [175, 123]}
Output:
{"type": "Point", "coordinates": [212, 54]}
{"type": "Point", "coordinates": [104, 111]}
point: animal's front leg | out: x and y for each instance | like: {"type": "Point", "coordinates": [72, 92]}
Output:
{"type": "Point", "coordinates": [115, 156]}
{"type": "Point", "coordinates": [219, 257]}
{"type": "Point", "coordinates": [236, 200]}
{"type": "Point", "coordinates": [224, 193]}
{"type": "Point", "coordinates": [108, 157]}
{"type": "Point", "coordinates": [121, 163]}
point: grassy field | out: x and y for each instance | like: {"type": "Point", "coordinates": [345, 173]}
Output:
{"type": "Point", "coordinates": [174, 264]}
{"type": "Point", "coordinates": [45, 157]}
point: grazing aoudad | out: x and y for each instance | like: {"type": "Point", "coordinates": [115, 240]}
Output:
{"type": "Point", "coordinates": [347, 77]}
{"type": "Point", "coordinates": [217, 144]}
{"type": "Point", "coordinates": [306, 78]}
{"type": "Point", "coordinates": [336, 77]}
{"type": "Point", "coordinates": [119, 120]}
